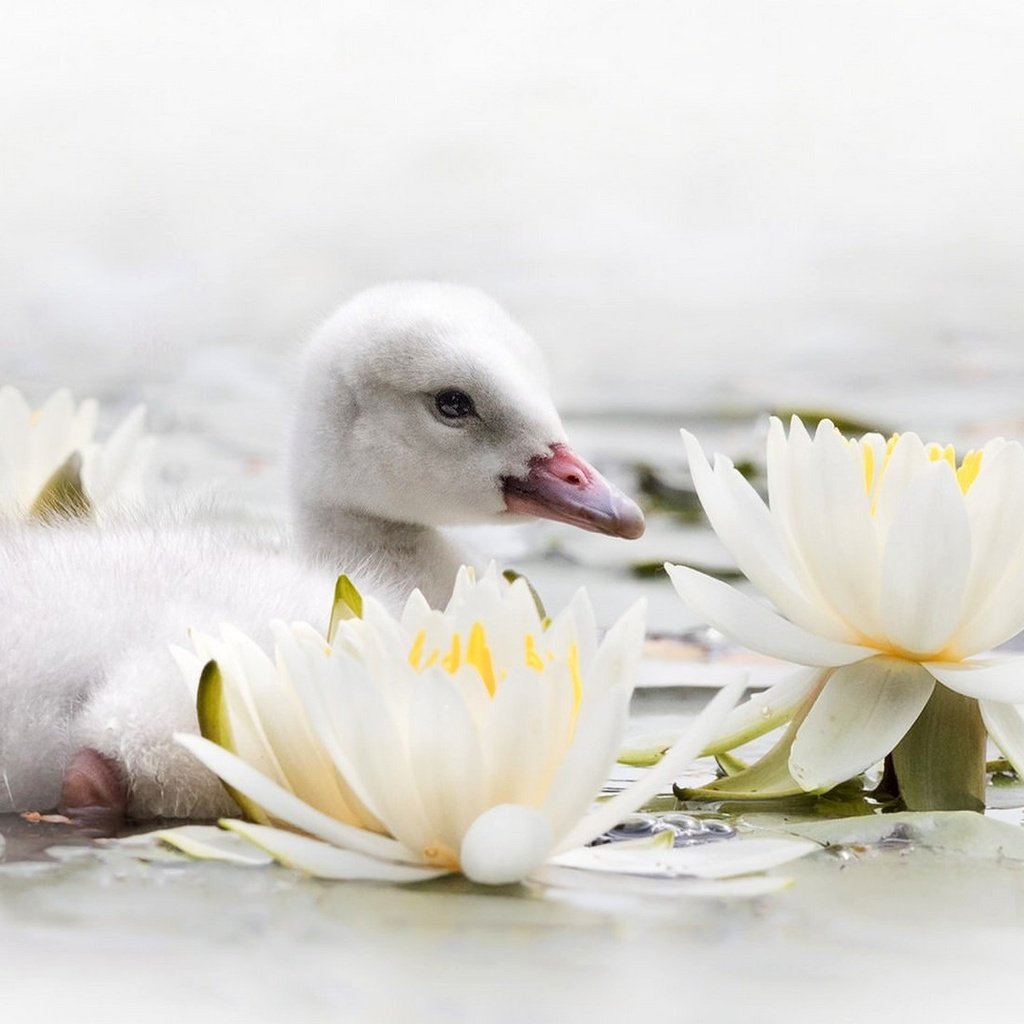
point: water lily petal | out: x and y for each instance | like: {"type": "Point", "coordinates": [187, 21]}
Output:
{"type": "Point", "coordinates": [584, 768]}
{"type": "Point", "coordinates": [994, 679]}
{"type": "Point", "coordinates": [444, 742]}
{"type": "Point", "coordinates": [903, 460]}
{"type": "Point", "coordinates": [862, 712]}
{"type": "Point", "coordinates": [832, 528]}
{"type": "Point", "coordinates": [676, 758]}
{"type": "Point", "coordinates": [752, 624]}
{"type": "Point", "coordinates": [995, 509]}
{"type": "Point", "coordinates": [321, 860]}
{"type": "Point", "coordinates": [618, 656]}
{"type": "Point", "coordinates": [764, 711]}
{"type": "Point", "coordinates": [356, 723]}
{"type": "Point", "coordinates": [284, 806]}
{"type": "Point", "coordinates": [208, 842]}
{"type": "Point", "coordinates": [927, 558]}
{"type": "Point", "coordinates": [999, 618]}
{"type": "Point", "coordinates": [744, 887]}
{"type": "Point", "coordinates": [1005, 724]}
{"type": "Point", "coordinates": [750, 533]}
{"type": "Point", "coordinates": [105, 467]}
{"type": "Point", "coordinates": [722, 859]}
{"type": "Point", "coordinates": [994, 603]}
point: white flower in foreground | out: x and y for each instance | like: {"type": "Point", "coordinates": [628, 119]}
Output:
{"type": "Point", "coordinates": [50, 463]}
{"type": "Point", "coordinates": [896, 569]}
{"type": "Point", "coordinates": [477, 738]}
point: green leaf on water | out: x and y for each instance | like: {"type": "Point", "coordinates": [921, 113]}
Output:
{"type": "Point", "coordinates": [730, 764]}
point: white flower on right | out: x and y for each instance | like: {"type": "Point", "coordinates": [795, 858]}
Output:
{"type": "Point", "coordinates": [894, 567]}
{"type": "Point", "coordinates": [51, 463]}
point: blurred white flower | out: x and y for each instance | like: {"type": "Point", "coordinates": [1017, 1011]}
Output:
{"type": "Point", "coordinates": [50, 463]}
{"type": "Point", "coordinates": [476, 737]}
{"type": "Point", "coordinates": [895, 568]}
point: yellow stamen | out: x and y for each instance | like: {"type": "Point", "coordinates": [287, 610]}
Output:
{"type": "Point", "coordinates": [969, 470]}
{"type": "Point", "coordinates": [939, 454]}
{"type": "Point", "coordinates": [872, 474]}
{"type": "Point", "coordinates": [869, 465]}
{"type": "Point", "coordinates": [453, 659]}
{"type": "Point", "coordinates": [478, 654]}
{"type": "Point", "coordinates": [417, 649]}
{"type": "Point", "coordinates": [574, 671]}
{"type": "Point", "coordinates": [533, 659]}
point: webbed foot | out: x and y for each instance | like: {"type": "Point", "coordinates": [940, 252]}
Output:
{"type": "Point", "coordinates": [94, 791]}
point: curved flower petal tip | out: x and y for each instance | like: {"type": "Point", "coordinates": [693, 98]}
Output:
{"type": "Point", "coordinates": [1005, 724]}
{"type": "Point", "coordinates": [752, 624]}
{"type": "Point", "coordinates": [505, 844]}
{"type": "Point", "coordinates": [322, 860]}
{"type": "Point", "coordinates": [990, 679]}
{"type": "Point", "coordinates": [208, 842]}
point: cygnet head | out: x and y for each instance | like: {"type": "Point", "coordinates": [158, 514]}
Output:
{"type": "Point", "coordinates": [427, 404]}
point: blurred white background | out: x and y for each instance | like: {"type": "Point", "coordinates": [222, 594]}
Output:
{"type": "Point", "coordinates": [688, 203]}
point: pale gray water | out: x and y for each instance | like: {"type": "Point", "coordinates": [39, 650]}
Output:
{"type": "Point", "coordinates": [703, 212]}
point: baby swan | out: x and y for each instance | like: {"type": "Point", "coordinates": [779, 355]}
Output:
{"type": "Point", "coordinates": [425, 406]}
{"type": "Point", "coordinates": [421, 406]}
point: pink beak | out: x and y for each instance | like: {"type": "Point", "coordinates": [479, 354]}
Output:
{"type": "Point", "coordinates": [561, 486]}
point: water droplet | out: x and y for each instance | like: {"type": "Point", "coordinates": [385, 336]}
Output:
{"type": "Point", "coordinates": [636, 826]}
{"type": "Point", "coordinates": [718, 828]}
{"type": "Point", "coordinates": [682, 822]}
{"type": "Point", "coordinates": [766, 711]}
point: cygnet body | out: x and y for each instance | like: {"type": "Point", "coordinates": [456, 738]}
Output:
{"type": "Point", "coordinates": [421, 406]}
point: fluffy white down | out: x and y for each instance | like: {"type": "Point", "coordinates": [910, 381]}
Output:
{"type": "Point", "coordinates": [86, 616]}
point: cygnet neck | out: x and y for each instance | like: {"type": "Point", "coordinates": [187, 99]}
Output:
{"type": "Point", "coordinates": [388, 556]}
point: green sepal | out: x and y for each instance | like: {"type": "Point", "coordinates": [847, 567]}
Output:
{"type": "Point", "coordinates": [510, 575]}
{"type": "Point", "coordinates": [766, 779]}
{"type": "Point", "coordinates": [730, 764]}
{"type": "Point", "coordinates": [940, 762]}
{"type": "Point", "coordinates": [348, 604]}
{"type": "Point", "coordinates": [63, 495]}
{"type": "Point", "coordinates": [215, 726]}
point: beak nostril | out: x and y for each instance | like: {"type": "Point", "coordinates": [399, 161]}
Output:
{"type": "Point", "coordinates": [573, 479]}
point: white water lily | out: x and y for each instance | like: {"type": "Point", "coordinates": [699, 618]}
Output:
{"type": "Point", "coordinates": [476, 738]}
{"type": "Point", "coordinates": [50, 462]}
{"type": "Point", "coordinates": [895, 569]}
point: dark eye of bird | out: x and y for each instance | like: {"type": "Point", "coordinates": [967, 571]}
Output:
{"type": "Point", "coordinates": [453, 404]}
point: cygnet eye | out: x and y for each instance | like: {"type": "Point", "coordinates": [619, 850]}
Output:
{"type": "Point", "coordinates": [453, 404]}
